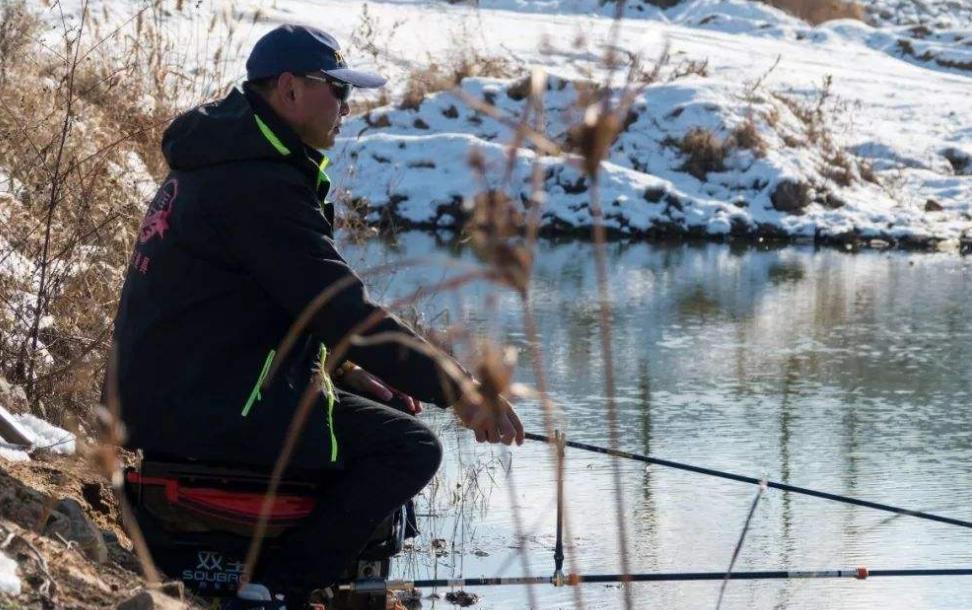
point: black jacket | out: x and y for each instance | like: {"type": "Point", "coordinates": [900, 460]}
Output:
{"type": "Point", "coordinates": [237, 241]}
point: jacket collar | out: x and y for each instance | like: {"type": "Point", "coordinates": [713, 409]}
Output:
{"type": "Point", "coordinates": [288, 144]}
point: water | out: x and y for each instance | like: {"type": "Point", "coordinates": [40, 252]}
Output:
{"type": "Point", "coordinates": [849, 373]}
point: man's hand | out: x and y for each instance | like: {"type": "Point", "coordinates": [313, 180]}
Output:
{"type": "Point", "coordinates": [493, 423]}
{"type": "Point", "coordinates": [362, 382]}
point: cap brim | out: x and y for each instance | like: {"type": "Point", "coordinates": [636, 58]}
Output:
{"type": "Point", "coordinates": [357, 78]}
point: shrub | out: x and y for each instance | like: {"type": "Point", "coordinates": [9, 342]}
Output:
{"type": "Point", "coordinates": [705, 152]}
{"type": "Point", "coordinates": [462, 63]}
{"type": "Point", "coordinates": [816, 12]}
{"type": "Point", "coordinates": [745, 135]}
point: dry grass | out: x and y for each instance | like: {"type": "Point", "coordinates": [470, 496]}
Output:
{"type": "Point", "coordinates": [704, 151]}
{"type": "Point", "coordinates": [442, 76]}
{"type": "Point", "coordinates": [816, 12]}
{"type": "Point", "coordinates": [746, 136]}
{"type": "Point", "coordinates": [80, 125]}
{"type": "Point", "coordinates": [366, 105]}
{"type": "Point", "coordinates": [373, 38]}
{"type": "Point", "coordinates": [690, 67]}
{"type": "Point", "coordinates": [837, 165]}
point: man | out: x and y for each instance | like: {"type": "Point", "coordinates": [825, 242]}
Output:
{"type": "Point", "coordinates": [237, 242]}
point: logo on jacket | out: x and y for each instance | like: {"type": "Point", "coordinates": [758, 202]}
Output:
{"type": "Point", "coordinates": [156, 220]}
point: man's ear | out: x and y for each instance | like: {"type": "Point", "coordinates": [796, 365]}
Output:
{"type": "Point", "coordinates": [285, 85]}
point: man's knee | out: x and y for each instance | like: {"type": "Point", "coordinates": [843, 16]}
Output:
{"type": "Point", "coordinates": [427, 450]}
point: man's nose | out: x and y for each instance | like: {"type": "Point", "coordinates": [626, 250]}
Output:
{"type": "Point", "coordinates": [345, 109]}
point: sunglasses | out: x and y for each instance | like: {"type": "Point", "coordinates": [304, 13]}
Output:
{"type": "Point", "coordinates": [342, 90]}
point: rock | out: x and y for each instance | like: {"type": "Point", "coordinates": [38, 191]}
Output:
{"type": "Point", "coordinates": [791, 196]}
{"type": "Point", "coordinates": [933, 206]}
{"type": "Point", "coordinates": [833, 201]}
{"type": "Point", "coordinates": [70, 522]}
{"type": "Point", "coordinates": [654, 194]}
{"type": "Point", "coordinates": [960, 160]}
{"type": "Point", "coordinates": [98, 497]}
{"type": "Point", "coordinates": [381, 121]}
{"type": "Point", "coordinates": [461, 598]}
{"type": "Point", "coordinates": [518, 90]}
{"type": "Point", "coordinates": [150, 600]}
{"type": "Point", "coordinates": [965, 245]}
{"type": "Point", "coordinates": [440, 547]}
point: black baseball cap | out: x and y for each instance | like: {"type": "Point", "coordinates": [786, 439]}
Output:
{"type": "Point", "coordinates": [301, 49]}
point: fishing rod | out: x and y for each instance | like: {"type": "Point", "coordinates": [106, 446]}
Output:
{"type": "Point", "coordinates": [381, 586]}
{"type": "Point", "coordinates": [744, 479]}
{"type": "Point", "coordinates": [378, 585]}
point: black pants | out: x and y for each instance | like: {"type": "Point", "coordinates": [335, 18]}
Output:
{"type": "Point", "coordinates": [388, 457]}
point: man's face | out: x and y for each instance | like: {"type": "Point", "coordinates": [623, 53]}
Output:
{"type": "Point", "coordinates": [315, 111]}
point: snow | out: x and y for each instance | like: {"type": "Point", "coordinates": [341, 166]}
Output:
{"type": "Point", "coordinates": [892, 95]}
{"type": "Point", "coordinates": [418, 160]}
{"type": "Point", "coordinates": [937, 13]}
{"type": "Point", "coordinates": [46, 436]}
{"type": "Point", "coordinates": [17, 273]}
{"type": "Point", "coordinates": [9, 581]}
{"type": "Point", "coordinates": [11, 453]}
{"type": "Point", "coordinates": [43, 436]}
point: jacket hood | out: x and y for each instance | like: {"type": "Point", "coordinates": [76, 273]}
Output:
{"type": "Point", "coordinates": [240, 127]}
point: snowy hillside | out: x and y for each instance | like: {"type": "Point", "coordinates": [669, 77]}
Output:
{"type": "Point", "coordinates": [758, 123]}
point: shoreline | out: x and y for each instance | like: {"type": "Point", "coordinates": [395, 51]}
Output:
{"type": "Point", "coordinates": [766, 236]}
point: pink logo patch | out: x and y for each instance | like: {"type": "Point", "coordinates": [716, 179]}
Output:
{"type": "Point", "coordinates": [156, 220]}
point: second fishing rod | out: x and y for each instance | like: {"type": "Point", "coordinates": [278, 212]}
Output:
{"type": "Point", "coordinates": [752, 480]}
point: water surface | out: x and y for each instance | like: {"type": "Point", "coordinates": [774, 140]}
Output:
{"type": "Point", "coordinates": [849, 373]}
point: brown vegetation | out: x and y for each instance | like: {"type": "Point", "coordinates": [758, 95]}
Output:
{"type": "Point", "coordinates": [79, 142]}
{"type": "Point", "coordinates": [791, 196]}
{"type": "Point", "coordinates": [746, 136]}
{"type": "Point", "coordinates": [818, 11]}
{"type": "Point", "coordinates": [690, 67]}
{"type": "Point", "coordinates": [462, 63]}
{"type": "Point", "coordinates": [704, 152]}
{"type": "Point", "coordinates": [838, 165]}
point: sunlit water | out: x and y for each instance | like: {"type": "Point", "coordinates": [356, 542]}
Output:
{"type": "Point", "coordinates": [849, 373]}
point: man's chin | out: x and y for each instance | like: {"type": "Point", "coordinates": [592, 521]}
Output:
{"type": "Point", "coordinates": [328, 140]}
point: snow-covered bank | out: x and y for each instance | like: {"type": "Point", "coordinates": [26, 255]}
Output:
{"type": "Point", "coordinates": [844, 131]}
{"type": "Point", "coordinates": [698, 157]}
{"type": "Point", "coordinates": [892, 164]}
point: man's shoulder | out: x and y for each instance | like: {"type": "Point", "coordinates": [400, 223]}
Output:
{"type": "Point", "coordinates": [257, 180]}
{"type": "Point", "coordinates": [266, 173]}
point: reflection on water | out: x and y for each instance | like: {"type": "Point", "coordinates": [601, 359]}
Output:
{"type": "Point", "coordinates": [847, 373]}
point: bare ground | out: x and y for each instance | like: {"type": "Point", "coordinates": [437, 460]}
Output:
{"type": "Point", "coordinates": [28, 493]}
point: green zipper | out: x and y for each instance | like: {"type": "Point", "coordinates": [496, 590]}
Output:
{"type": "Point", "coordinates": [327, 387]}
{"type": "Point", "coordinates": [255, 393]}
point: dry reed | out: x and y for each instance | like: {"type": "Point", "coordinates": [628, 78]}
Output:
{"type": "Point", "coordinates": [816, 12]}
